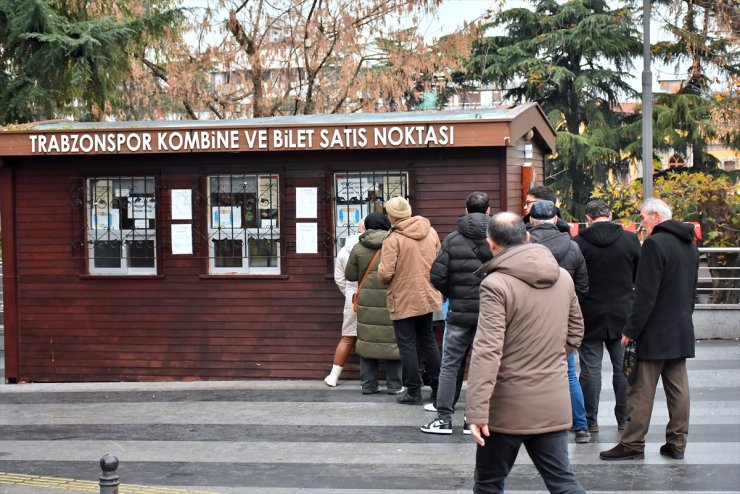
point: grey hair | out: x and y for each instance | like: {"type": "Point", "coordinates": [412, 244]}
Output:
{"type": "Point", "coordinates": [653, 205]}
{"type": "Point", "coordinates": [506, 229]}
{"type": "Point", "coordinates": [536, 221]}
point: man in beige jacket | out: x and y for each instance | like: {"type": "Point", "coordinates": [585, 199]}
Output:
{"type": "Point", "coordinates": [518, 380]}
{"type": "Point", "coordinates": [409, 251]}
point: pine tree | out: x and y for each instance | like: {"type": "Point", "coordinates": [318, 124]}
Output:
{"type": "Point", "coordinates": [572, 58]}
{"type": "Point", "coordinates": [706, 39]}
{"type": "Point", "coordinates": [69, 58]}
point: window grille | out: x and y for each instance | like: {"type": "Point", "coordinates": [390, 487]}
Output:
{"type": "Point", "coordinates": [243, 224]}
{"type": "Point", "coordinates": [121, 225]}
{"type": "Point", "coordinates": [357, 194]}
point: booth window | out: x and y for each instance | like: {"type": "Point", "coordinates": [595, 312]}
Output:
{"type": "Point", "coordinates": [121, 225]}
{"type": "Point", "coordinates": [357, 194]}
{"type": "Point", "coordinates": [243, 224]}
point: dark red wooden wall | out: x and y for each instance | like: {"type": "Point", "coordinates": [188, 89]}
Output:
{"type": "Point", "coordinates": [183, 324]}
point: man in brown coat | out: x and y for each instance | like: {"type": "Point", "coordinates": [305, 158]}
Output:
{"type": "Point", "coordinates": [518, 380]}
{"type": "Point", "coordinates": [408, 253]}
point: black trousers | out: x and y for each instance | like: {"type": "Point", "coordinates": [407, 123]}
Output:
{"type": "Point", "coordinates": [412, 334]}
{"type": "Point", "coordinates": [549, 453]}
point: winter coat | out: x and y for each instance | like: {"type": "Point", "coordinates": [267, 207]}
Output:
{"type": "Point", "coordinates": [376, 338]}
{"type": "Point", "coordinates": [611, 255]}
{"type": "Point", "coordinates": [408, 254]}
{"type": "Point", "coordinates": [463, 252]}
{"type": "Point", "coordinates": [665, 287]}
{"type": "Point", "coordinates": [348, 288]}
{"type": "Point", "coordinates": [566, 252]}
{"type": "Point", "coordinates": [529, 315]}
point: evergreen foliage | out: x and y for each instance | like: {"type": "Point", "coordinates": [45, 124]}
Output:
{"type": "Point", "coordinates": [57, 59]}
{"type": "Point", "coordinates": [572, 58]}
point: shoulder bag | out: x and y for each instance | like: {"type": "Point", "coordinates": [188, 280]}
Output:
{"type": "Point", "coordinates": [355, 296]}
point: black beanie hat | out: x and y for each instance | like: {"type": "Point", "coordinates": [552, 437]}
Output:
{"type": "Point", "coordinates": [377, 221]}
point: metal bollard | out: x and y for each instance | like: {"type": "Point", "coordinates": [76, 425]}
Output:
{"type": "Point", "coordinates": [109, 479]}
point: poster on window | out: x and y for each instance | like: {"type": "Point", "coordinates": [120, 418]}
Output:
{"type": "Point", "coordinates": [102, 194]}
{"type": "Point", "coordinates": [106, 219]}
{"type": "Point", "coordinates": [350, 215]}
{"type": "Point", "coordinates": [141, 207]}
{"type": "Point", "coordinates": [226, 217]}
{"type": "Point", "coordinates": [268, 192]}
{"type": "Point", "coordinates": [353, 190]}
{"type": "Point", "coordinates": [393, 186]}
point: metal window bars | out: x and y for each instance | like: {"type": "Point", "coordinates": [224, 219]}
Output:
{"type": "Point", "coordinates": [357, 194]}
{"type": "Point", "coordinates": [243, 220]}
{"type": "Point", "coordinates": [121, 224]}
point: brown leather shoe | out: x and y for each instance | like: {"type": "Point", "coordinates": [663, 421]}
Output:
{"type": "Point", "coordinates": [670, 450]}
{"type": "Point", "coordinates": [621, 452]}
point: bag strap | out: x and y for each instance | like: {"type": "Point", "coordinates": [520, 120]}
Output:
{"type": "Point", "coordinates": [367, 271]}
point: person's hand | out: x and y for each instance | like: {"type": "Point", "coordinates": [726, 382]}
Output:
{"type": "Point", "coordinates": [626, 340]}
{"type": "Point", "coordinates": [478, 431]}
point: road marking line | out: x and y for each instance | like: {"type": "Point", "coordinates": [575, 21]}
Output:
{"type": "Point", "coordinates": [86, 485]}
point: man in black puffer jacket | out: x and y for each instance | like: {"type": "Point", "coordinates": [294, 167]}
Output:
{"type": "Point", "coordinates": [611, 254]}
{"type": "Point", "coordinates": [463, 251]}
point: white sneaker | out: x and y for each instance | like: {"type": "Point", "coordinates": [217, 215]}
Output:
{"type": "Point", "coordinates": [437, 426]}
{"type": "Point", "coordinates": [429, 407]}
{"type": "Point", "coordinates": [466, 427]}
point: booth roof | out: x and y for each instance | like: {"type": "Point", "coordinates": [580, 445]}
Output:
{"type": "Point", "coordinates": [501, 114]}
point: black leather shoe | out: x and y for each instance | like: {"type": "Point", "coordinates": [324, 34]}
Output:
{"type": "Point", "coordinates": [670, 450]}
{"type": "Point", "coordinates": [621, 452]}
{"type": "Point", "coordinates": [370, 391]}
{"type": "Point", "coordinates": [409, 399]}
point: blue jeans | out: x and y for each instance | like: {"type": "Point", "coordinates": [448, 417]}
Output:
{"type": "Point", "coordinates": [590, 355]}
{"type": "Point", "coordinates": [549, 453]}
{"type": "Point", "coordinates": [578, 409]}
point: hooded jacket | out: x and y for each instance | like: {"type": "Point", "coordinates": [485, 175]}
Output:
{"type": "Point", "coordinates": [611, 255]}
{"type": "Point", "coordinates": [665, 286]}
{"type": "Point", "coordinates": [408, 254]}
{"type": "Point", "coordinates": [529, 313]}
{"type": "Point", "coordinates": [348, 288]}
{"type": "Point", "coordinates": [566, 252]}
{"type": "Point", "coordinates": [453, 272]}
{"type": "Point", "coordinates": [376, 338]}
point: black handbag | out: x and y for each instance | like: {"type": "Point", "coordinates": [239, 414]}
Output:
{"type": "Point", "coordinates": [629, 365]}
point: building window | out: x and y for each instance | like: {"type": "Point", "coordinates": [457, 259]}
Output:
{"type": "Point", "coordinates": [358, 194]}
{"type": "Point", "coordinates": [243, 224]}
{"type": "Point", "coordinates": [121, 225]}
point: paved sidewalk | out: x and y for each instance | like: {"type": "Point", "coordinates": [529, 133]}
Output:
{"type": "Point", "coordinates": [276, 437]}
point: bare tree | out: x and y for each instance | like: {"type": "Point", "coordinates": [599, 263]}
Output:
{"type": "Point", "coordinates": [318, 56]}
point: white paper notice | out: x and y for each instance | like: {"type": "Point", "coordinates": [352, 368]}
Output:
{"type": "Point", "coordinates": [306, 236]}
{"type": "Point", "coordinates": [305, 202]}
{"type": "Point", "coordinates": [182, 238]}
{"type": "Point", "coordinates": [182, 204]}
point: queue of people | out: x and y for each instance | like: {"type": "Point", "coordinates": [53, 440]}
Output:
{"type": "Point", "coordinates": [524, 299]}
